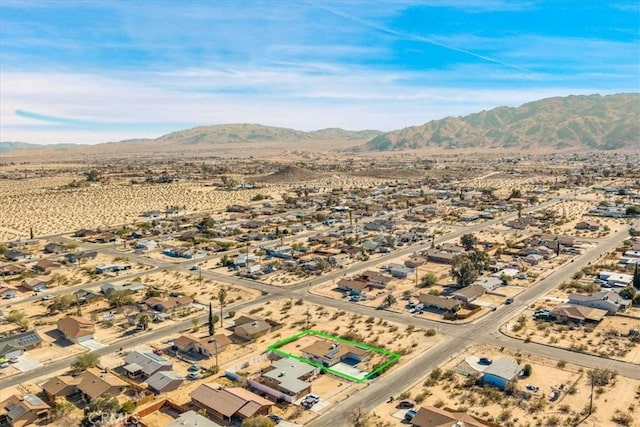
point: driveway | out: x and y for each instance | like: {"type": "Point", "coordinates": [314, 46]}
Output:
{"type": "Point", "coordinates": [92, 344]}
{"type": "Point", "coordinates": [26, 363]}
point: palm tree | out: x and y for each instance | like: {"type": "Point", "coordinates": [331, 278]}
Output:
{"type": "Point", "coordinates": [222, 296]}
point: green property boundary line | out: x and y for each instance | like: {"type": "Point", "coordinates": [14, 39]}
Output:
{"type": "Point", "coordinates": [394, 357]}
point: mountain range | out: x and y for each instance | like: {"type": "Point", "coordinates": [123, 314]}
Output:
{"type": "Point", "coordinates": [585, 122]}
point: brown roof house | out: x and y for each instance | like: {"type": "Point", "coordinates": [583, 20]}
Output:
{"type": "Point", "coordinates": [23, 410]}
{"type": "Point", "coordinates": [430, 416]}
{"type": "Point", "coordinates": [37, 284]}
{"type": "Point", "coordinates": [207, 347]}
{"type": "Point", "coordinates": [578, 313]}
{"type": "Point", "coordinates": [439, 303]}
{"type": "Point", "coordinates": [248, 328]}
{"type": "Point", "coordinates": [95, 383]}
{"type": "Point", "coordinates": [469, 293]}
{"type": "Point", "coordinates": [60, 386]}
{"type": "Point", "coordinates": [76, 329]}
{"type": "Point", "coordinates": [328, 353]}
{"type": "Point", "coordinates": [227, 404]}
{"type": "Point", "coordinates": [168, 304]}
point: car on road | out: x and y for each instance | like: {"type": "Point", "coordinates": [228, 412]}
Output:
{"type": "Point", "coordinates": [406, 404]}
{"type": "Point", "coordinates": [508, 300]}
{"type": "Point", "coordinates": [485, 361]}
{"type": "Point", "coordinates": [47, 297]}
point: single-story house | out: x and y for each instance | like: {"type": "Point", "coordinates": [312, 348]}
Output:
{"type": "Point", "coordinates": [588, 225]}
{"type": "Point", "coordinates": [86, 296]}
{"type": "Point", "coordinates": [143, 364]}
{"type": "Point", "coordinates": [353, 286]}
{"type": "Point", "coordinates": [533, 259]}
{"type": "Point", "coordinates": [112, 268]}
{"type": "Point", "coordinates": [469, 293]}
{"type": "Point", "coordinates": [16, 255]}
{"type": "Point", "coordinates": [17, 344]}
{"type": "Point", "coordinates": [616, 279]}
{"type": "Point", "coordinates": [74, 257]}
{"type": "Point", "coordinates": [375, 279]}
{"type": "Point", "coordinates": [441, 257]}
{"type": "Point", "coordinates": [249, 328]}
{"type": "Point", "coordinates": [207, 347]}
{"type": "Point", "coordinates": [501, 372]}
{"type": "Point", "coordinates": [168, 304]}
{"type": "Point", "coordinates": [12, 269]}
{"type": "Point", "coordinates": [54, 248]}
{"type": "Point", "coordinates": [7, 292]}
{"type": "Point", "coordinates": [23, 410]}
{"type": "Point", "coordinates": [415, 262]}
{"type": "Point", "coordinates": [288, 376]}
{"type": "Point", "coordinates": [609, 300]}
{"type": "Point", "coordinates": [164, 381]}
{"type": "Point", "coordinates": [192, 419]}
{"type": "Point", "coordinates": [46, 266]}
{"type": "Point", "coordinates": [328, 353]}
{"type": "Point", "coordinates": [37, 284]}
{"type": "Point", "coordinates": [489, 283]}
{"type": "Point", "coordinates": [399, 271]}
{"type": "Point", "coordinates": [231, 403]}
{"type": "Point", "coordinates": [578, 313]}
{"type": "Point", "coordinates": [60, 386]}
{"type": "Point", "coordinates": [95, 383]}
{"type": "Point", "coordinates": [430, 416]}
{"type": "Point", "coordinates": [76, 329]}
{"type": "Point", "coordinates": [439, 303]}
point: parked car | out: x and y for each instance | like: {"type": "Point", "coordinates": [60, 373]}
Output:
{"type": "Point", "coordinates": [485, 361]}
{"type": "Point", "coordinates": [312, 398]}
{"type": "Point", "coordinates": [4, 365]}
{"type": "Point", "coordinates": [276, 419]}
{"type": "Point", "coordinates": [410, 414]}
{"type": "Point", "coordinates": [508, 300]}
{"type": "Point", "coordinates": [13, 359]}
{"type": "Point", "coordinates": [194, 368]}
{"type": "Point", "coordinates": [406, 404]}
{"type": "Point", "coordinates": [532, 388]}
{"type": "Point", "coordinates": [193, 376]}
{"type": "Point", "coordinates": [47, 297]}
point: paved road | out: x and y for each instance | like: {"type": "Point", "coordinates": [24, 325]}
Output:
{"type": "Point", "coordinates": [482, 331]}
{"type": "Point", "coordinates": [456, 337]}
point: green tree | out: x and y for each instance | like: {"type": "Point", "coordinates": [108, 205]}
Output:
{"type": "Point", "coordinates": [101, 407]}
{"type": "Point", "coordinates": [389, 300]}
{"type": "Point", "coordinates": [515, 194]}
{"type": "Point", "coordinates": [212, 328]}
{"type": "Point", "coordinates": [628, 293]}
{"type": "Point", "coordinates": [526, 371]}
{"type": "Point", "coordinates": [258, 422]}
{"type": "Point", "coordinates": [85, 361]}
{"type": "Point", "coordinates": [93, 175]}
{"type": "Point", "coordinates": [463, 271]}
{"type": "Point", "coordinates": [468, 241]}
{"type": "Point", "coordinates": [120, 298]}
{"type": "Point", "coordinates": [205, 224]}
{"type": "Point", "coordinates": [633, 210]}
{"type": "Point", "coordinates": [144, 320]}
{"type": "Point", "coordinates": [428, 280]}
{"type": "Point", "coordinates": [479, 259]}
{"type": "Point", "coordinates": [222, 298]}
{"type": "Point", "coordinates": [19, 318]}
{"type": "Point", "coordinates": [62, 409]}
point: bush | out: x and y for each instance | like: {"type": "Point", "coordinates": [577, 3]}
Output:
{"type": "Point", "coordinates": [526, 371]}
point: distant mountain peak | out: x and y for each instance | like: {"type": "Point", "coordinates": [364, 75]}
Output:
{"type": "Point", "coordinates": [592, 122]}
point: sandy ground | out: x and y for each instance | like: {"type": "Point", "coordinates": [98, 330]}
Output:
{"type": "Point", "coordinates": [512, 411]}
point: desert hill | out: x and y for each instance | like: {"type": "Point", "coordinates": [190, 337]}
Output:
{"type": "Point", "coordinates": [590, 122]}
{"type": "Point", "coordinates": [290, 173]}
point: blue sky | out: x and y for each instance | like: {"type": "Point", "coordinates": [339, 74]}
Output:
{"type": "Point", "coordinates": [107, 70]}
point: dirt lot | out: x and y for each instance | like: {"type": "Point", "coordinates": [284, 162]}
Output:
{"type": "Point", "coordinates": [449, 389]}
